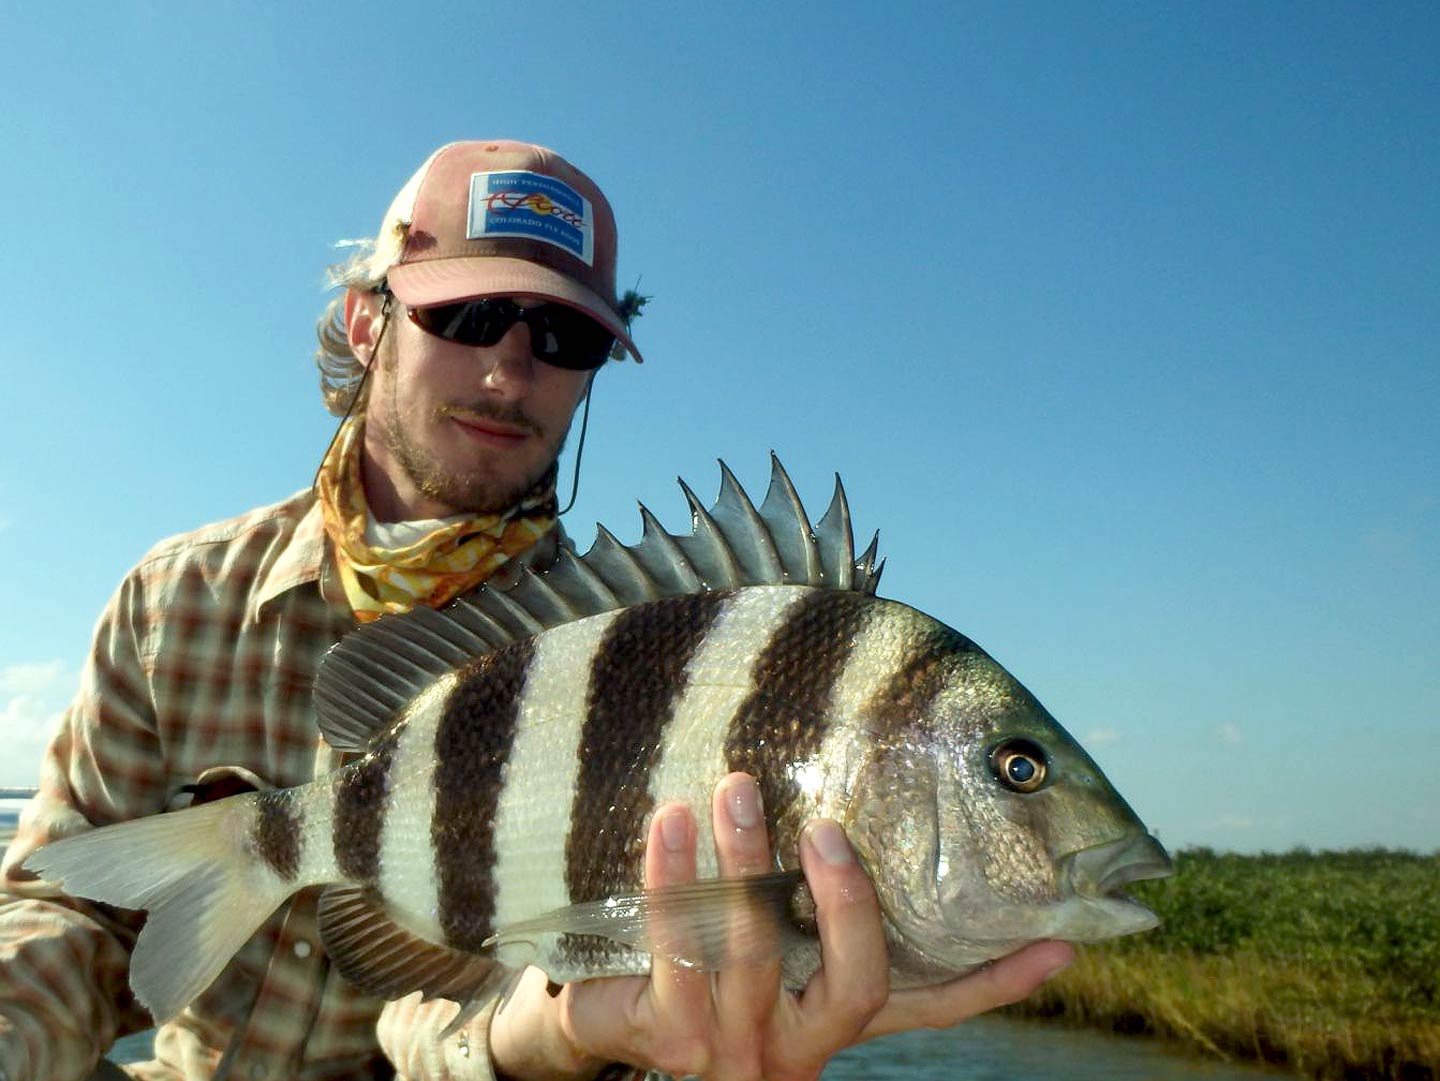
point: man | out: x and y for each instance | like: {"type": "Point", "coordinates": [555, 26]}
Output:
{"type": "Point", "coordinates": [466, 337]}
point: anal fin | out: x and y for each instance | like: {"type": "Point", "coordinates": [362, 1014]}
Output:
{"type": "Point", "coordinates": [382, 958]}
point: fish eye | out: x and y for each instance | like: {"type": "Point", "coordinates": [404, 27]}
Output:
{"type": "Point", "coordinates": [1019, 764]}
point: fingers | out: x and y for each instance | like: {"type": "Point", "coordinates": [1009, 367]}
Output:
{"type": "Point", "coordinates": [742, 850]}
{"type": "Point", "coordinates": [998, 984]}
{"type": "Point", "coordinates": [739, 1023]}
{"type": "Point", "coordinates": [745, 991]}
{"type": "Point", "coordinates": [679, 996]}
{"type": "Point", "coordinates": [658, 1019]}
{"type": "Point", "coordinates": [742, 845]}
{"type": "Point", "coordinates": [853, 982]}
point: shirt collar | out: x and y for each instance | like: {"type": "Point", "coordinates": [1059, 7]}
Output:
{"type": "Point", "coordinates": [304, 559]}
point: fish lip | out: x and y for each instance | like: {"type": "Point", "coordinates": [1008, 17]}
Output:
{"type": "Point", "coordinates": [1101, 870]}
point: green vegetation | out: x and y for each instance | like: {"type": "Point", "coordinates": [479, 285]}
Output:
{"type": "Point", "coordinates": [1324, 963]}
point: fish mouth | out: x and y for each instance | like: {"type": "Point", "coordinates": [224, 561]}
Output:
{"type": "Point", "coordinates": [1093, 881]}
{"type": "Point", "coordinates": [1103, 871]}
{"type": "Point", "coordinates": [1089, 904]}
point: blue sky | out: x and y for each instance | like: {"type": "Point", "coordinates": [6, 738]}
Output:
{"type": "Point", "coordinates": [1118, 320]}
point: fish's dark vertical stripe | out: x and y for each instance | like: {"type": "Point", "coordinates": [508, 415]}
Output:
{"type": "Point", "coordinates": [472, 745]}
{"type": "Point", "coordinates": [276, 833]}
{"type": "Point", "coordinates": [783, 720]}
{"type": "Point", "coordinates": [636, 678]}
{"type": "Point", "coordinates": [360, 800]}
{"type": "Point", "coordinates": [906, 698]}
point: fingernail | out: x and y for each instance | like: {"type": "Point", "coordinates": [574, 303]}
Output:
{"type": "Point", "coordinates": [742, 802]}
{"type": "Point", "coordinates": [830, 842]}
{"type": "Point", "coordinates": [674, 831]}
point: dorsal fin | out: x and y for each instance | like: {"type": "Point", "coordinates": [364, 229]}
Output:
{"type": "Point", "coordinates": [375, 671]}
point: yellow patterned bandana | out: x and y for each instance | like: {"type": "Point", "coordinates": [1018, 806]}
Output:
{"type": "Point", "coordinates": [453, 559]}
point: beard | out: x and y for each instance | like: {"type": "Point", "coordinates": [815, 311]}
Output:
{"type": "Point", "coordinates": [482, 489]}
{"type": "Point", "coordinates": [491, 485]}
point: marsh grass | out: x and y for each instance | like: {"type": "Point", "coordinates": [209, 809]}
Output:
{"type": "Point", "coordinates": [1327, 964]}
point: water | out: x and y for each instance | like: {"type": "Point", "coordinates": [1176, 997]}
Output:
{"type": "Point", "coordinates": [1004, 1049]}
{"type": "Point", "coordinates": [10, 806]}
{"type": "Point", "coordinates": [985, 1049]}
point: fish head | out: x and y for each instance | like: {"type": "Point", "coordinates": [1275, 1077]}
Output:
{"type": "Point", "coordinates": [985, 826]}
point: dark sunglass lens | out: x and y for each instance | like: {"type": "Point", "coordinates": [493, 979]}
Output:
{"type": "Point", "coordinates": [471, 322]}
{"type": "Point", "coordinates": [570, 339]}
{"type": "Point", "coordinates": [559, 335]}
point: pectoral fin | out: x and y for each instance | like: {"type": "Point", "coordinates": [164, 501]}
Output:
{"type": "Point", "coordinates": [710, 924]}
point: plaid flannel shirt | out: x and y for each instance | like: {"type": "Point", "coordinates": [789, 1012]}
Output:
{"type": "Point", "coordinates": [204, 658]}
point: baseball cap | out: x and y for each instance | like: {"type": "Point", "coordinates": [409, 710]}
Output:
{"type": "Point", "coordinates": [495, 217]}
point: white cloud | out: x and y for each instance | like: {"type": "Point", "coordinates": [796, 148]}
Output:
{"type": "Point", "coordinates": [1101, 737]}
{"type": "Point", "coordinates": [1230, 734]}
{"type": "Point", "coordinates": [32, 698]}
{"type": "Point", "coordinates": [35, 678]}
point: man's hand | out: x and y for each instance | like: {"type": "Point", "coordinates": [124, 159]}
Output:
{"type": "Point", "coordinates": [739, 1022]}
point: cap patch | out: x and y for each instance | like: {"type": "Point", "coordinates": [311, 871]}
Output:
{"type": "Point", "coordinates": [532, 205]}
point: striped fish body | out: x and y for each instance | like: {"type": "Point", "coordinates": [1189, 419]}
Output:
{"type": "Point", "coordinates": [510, 752]}
{"type": "Point", "coordinates": [525, 783]}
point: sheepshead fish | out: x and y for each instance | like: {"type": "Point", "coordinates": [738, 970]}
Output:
{"type": "Point", "coordinates": [510, 748]}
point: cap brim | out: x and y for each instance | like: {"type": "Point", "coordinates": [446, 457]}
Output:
{"type": "Point", "coordinates": [445, 281]}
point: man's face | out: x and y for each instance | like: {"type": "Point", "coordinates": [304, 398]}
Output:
{"type": "Point", "coordinates": [453, 428]}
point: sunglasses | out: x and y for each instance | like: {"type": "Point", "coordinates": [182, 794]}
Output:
{"type": "Point", "coordinates": [559, 335]}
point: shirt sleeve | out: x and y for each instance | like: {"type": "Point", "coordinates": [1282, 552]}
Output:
{"type": "Point", "coordinates": [409, 1033]}
{"type": "Point", "coordinates": [64, 996]}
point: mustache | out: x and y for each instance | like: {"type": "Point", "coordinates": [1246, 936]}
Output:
{"type": "Point", "coordinates": [481, 411]}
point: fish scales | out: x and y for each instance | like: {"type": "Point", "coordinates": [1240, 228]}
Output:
{"type": "Point", "coordinates": [409, 879]}
{"type": "Point", "coordinates": [361, 800]}
{"type": "Point", "coordinates": [278, 823]}
{"type": "Point", "coordinates": [720, 679]}
{"type": "Point", "coordinates": [679, 695]}
{"type": "Point", "coordinates": [495, 808]}
{"type": "Point", "coordinates": [472, 746]}
{"type": "Point", "coordinates": [537, 799]}
{"type": "Point", "coordinates": [783, 723]}
{"type": "Point", "coordinates": [637, 676]}
{"type": "Point", "coordinates": [687, 689]}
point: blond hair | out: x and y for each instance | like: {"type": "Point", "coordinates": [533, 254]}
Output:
{"type": "Point", "coordinates": [341, 373]}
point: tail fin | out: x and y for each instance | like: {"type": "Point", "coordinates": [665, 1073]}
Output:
{"type": "Point", "coordinates": [206, 894]}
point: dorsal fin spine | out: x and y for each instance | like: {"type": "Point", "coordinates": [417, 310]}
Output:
{"type": "Point", "coordinates": [586, 576]}
{"type": "Point", "coordinates": [522, 616]}
{"type": "Point", "coordinates": [733, 503]}
{"type": "Point", "coordinates": [799, 553]}
{"type": "Point", "coordinates": [384, 665]}
{"type": "Point", "coordinates": [870, 573]}
{"type": "Point", "coordinates": [607, 549]}
{"type": "Point", "coordinates": [721, 572]}
{"type": "Point", "coordinates": [835, 526]}
{"type": "Point", "coordinates": [654, 534]}
{"type": "Point", "coordinates": [564, 609]}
